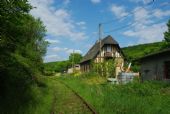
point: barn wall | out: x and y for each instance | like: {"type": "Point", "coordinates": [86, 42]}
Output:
{"type": "Point", "coordinates": [153, 68]}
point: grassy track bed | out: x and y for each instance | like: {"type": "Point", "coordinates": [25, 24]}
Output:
{"type": "Point", "coordinates": [66, 101]}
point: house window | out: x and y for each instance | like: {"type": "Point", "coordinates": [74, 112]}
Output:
{"type": "Point", "coordinates": [109, 48]}
{"type": "Point", "coordinates": [167, 70]}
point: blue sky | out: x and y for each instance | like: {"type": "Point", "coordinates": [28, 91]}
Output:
{"type": "Point", "coordinates": [73, 24]}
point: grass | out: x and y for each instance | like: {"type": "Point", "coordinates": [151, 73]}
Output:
{"type": "Point", "coordinates": [36, 100]}
{"type": "Point", "coordinates": [44, 96]}
{"type": "Point", "coordinates": [132, 98]}
{"type": "Point", "coordinates": [66, 102]}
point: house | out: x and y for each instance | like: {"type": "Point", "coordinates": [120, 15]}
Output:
{"type": "Point", "coordinates": [156, 66]}
{"type": "Point", "coordinates": [106, 49]}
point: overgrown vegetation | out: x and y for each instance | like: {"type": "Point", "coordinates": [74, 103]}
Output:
{"type": "Point", "coordinates": [106, 68]}
{"type": "Point", "coordinates": [133, 98]}
{"type": "Point", "coordinates": [22, 46]}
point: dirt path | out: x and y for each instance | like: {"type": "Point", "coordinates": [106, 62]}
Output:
{"type": "Point", "coordinates": [67, 102]}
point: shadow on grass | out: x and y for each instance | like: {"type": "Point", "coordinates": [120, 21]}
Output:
{"type": "Point", "coordinates": [17, 88]}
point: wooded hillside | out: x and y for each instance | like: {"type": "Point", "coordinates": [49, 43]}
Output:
{"type": "Point", "coordinates": [137, 51]}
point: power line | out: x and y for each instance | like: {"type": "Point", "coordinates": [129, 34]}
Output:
{"type": "Point", "coordinates": [119, 28]}
{"type": "Point", "coordinates": [126, 26]}
{"type": "Point", "coordinates": [130, 25]}
{"type": "Point", "coordinates": [131, 13]}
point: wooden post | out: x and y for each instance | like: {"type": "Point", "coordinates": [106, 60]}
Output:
{"type": "Point", "coordinates": [100, 43]}
{"type": "Point", "coordinates": [73, 62]}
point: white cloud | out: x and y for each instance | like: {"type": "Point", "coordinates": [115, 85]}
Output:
{"type": "Point", "coordinates": [65, 50]}
{"type": "Point", "coordinates": [118, 11]}
{"type": "Point", "coordinates": [165, 4]}
{"type": "Point", "coordinates": [149, 34]}
{"type": "Point", "coordinates": [143, 1]}
{"type": "Point", "coordinates": [141, 15]}
{"type": "Point", "coordinates": [81, 24]}
{"type": "Point", "coordinates": [145, 29]}
{"type": "Point", "coordinates": [53, 41]}
{"type": "Point", "coordinates": [68, 51]}
{"type": "Point", "coordinates": [57, 49]}
{"type": "Point", "coordinates": [160, 13]}
{"type": "Point", "coordinates": [147, 1]}
{"type": "Point", "coordinates": [58, 22]}
{"type": "Point", "coordinates": [66, 2]}
{"type": "Point", "coordinates": [136, 1]}
{"type": "Point", "coordinates": [145, 16]}
{"type": "Point", "coordinates": [62, 53]}
{"type": "Point", "coordinates": [50, 58]}
{"type": "Point", "coordinates": [95, 1]}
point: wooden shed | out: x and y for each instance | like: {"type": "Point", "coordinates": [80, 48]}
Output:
{"type": "Point", "coordinates": [156, 66]}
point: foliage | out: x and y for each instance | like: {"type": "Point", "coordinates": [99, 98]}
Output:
{"type": "Point", "coordinates": [106, 68]}
{"type": "Point", "coordinates": [109, 68]}
{"type": "Point", "coordinates": [167, 33]}
{"type": "Point", "coordinates": [59, 66]}
{"type": "Point", "coordinates": [75, 58]}
{"type": "Point", "coordinates": [22, 46]}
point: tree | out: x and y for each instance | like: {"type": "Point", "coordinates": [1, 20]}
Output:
{"type": "Point", "coordinates": [22, 47]}
{"type": "Point", "coordinates": [167, 33]}
{"type": "Point", "coordinates": [21, 34]}
{"type": "Point", "coordinates": [75, 58]}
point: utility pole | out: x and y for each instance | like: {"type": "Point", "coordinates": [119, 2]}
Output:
{"type": "Point", "coordinates": [73, 61]}
{"type": "Point", "coordinates": [100, 46]}
{"type": "Point", "coordinates": [100, 38]}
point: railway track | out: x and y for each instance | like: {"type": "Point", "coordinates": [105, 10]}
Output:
{"type": "Point", "coordinates": [72, 102]}
{"type": "Point", "coordinates": [84, 102]}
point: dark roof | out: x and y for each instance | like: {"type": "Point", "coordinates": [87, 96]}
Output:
{"type": "Point", "coordinates": [96, 48]}
{"type": "Point", "coordinates": [160, 53]}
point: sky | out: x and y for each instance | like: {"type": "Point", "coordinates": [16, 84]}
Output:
{"type": "Point", "coordinates": [73, 24]}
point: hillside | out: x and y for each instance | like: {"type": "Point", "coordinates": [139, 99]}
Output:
{"type": "Point", "coordinates": [58, 66]}
{"type": "Point", "coordinates": [137, 51]}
